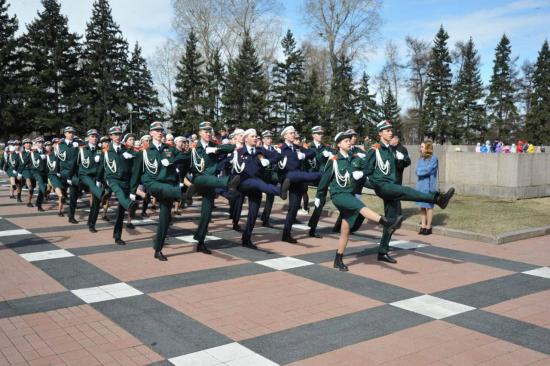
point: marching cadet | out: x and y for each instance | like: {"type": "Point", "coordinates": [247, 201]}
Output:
{"type": "Point", "coordinates": [380, 168]}
{"type": "Point", "coordinates": [24, 172]}
{"type": "Point", "coordinates": [106, 201]}
{"type": "Point", "coordinates": [204, 161]}
{"type": "Point", "coordinates": [90, 172]}
{"type": "Point", "coordinates": [270, 177]}
{"type": "Point", "coordinates": [67, 156]}
{"type": "Point", "coordinates": [250, 163]}
{"type": "Point", "coordinates": [3, 155]}
{"type": "Point", "coordinates": [11, 165]}
{"type": "Point", "coordinates": [290, 166]}
{"type": "Point", "coordinates": [54, 177]}
{"type": "Point", "coordinates": [161, 180]}
{"type": "Point", "coordinates": [40, 171]}
{"type": "Point", "coordinates": [337, 178]}
{"type": "Point", "coordinates": [118, 173]}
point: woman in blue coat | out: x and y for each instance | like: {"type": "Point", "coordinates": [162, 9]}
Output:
{"type": "Point", "coordinates": [426, 181]}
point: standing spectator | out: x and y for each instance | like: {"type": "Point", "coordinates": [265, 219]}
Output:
{"type": "Point", "coordinates": [513, 149]}
{"type": "Point", "coordinates": [426, 173]}
{"type": "Point", "coordinates": [478, 147]}
{"type": "Point", "coordinates": [519, 147]}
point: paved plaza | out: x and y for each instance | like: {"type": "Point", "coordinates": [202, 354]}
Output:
{"type": "Point", "coordinates": [71, 297]}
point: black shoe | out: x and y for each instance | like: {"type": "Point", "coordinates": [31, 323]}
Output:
{"type": "Point", "coordinates": [428, 231]}
{"type": "Point", "coordinates": [312, 234]}
{"type": "Point", "coordinates": [105, 218]}
{"type": "Point", "coordinates": [237, 228]}
{"type": "Point", "coordinates": [339, 263]}
{"type": "Point", "coordinates": [249, 244]}
{"type": "Point", "coordinates": [421, 231]}
{"type": "Point", "coordinates": [234, 183]}
{"type": "Point", "coordinates": [391, 224]}
{"type": "Point", "coordinates": [120, 242]}
{"type": "Point", "coordinates": [284, 188]}
{"type": "Point", "coordinates": [40, 209]}
{"type": "Point", "coordinates": [386, 258]}
{"type": "Point", "coordinates": [201, 247]}
{"type": "Point", "coordinates": [12, 197]}
{"type": "Point", "coordinates": [144, 215]}
{"type": "Point", "coordinates": [29, 205]}
{"type": "Point", "coordinates": [161, 257]}
{"type": "Point", "coordinates": [72, 220]}
{"type": "Point", "coordinates": [289, 239]}
{"type": "Point", "coordinates": [267, 224]}
{"type": "Point", "coordinates": [130, 226]}
{"type": "Point", "coordinates": [132, 209]}
{"type": "Point", "coordinates": [92, 229]}
{"type": "Point", "coordinates": [442, 199]}
{"type": "Point", "coordinates": [60, 214]}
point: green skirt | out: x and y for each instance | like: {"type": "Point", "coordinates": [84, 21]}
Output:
{"type": "Point", "coordinates": [348, 205]}
{"type": "Point", "coordinates": [55, 181]}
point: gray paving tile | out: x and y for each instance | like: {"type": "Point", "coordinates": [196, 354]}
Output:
{"type": "Point", "coordinates": [253, 255]}
{"type": "Point", "coordinates": [112, 247]}
{"type": "Point", "coordinates": [357, 284]}
{"type": "Point", "coordinates": [7, 225]}
{"type": "Point", "coordinates": [312, 339]}
{"type": "Point", "coordinates": [511, 330]}
{"type": "Point", "coordinates": [27, 244]}
{"type": "Point", "coordinates": [38, 303]}
{"type": "Point", "coordinates": [75, 273]}
{"type": "Point", "coordinates": [170, 282]}
{"type": "Point", "coordinates": [490, 292]}
{"type": "Point", "coordinates": [328, 255]}
{"type": "Point", "coordinates": [162, 363]}
{"type": "Point", "coordinates": [164, 329]}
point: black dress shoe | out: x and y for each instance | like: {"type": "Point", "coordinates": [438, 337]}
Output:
{"type": "Point", "coordinates": [442, 199]}
{"type": "Point", "coordinates": [428, 231]}
{"type": "Point", "coordinates": [92, 229]}
{"type": "Point", "coordinates": [130, 226]}
{"type": "Point", "coordinates": [266, 224]}
{"type": "Point", "coordinates": [12, 197]}
{"type": "Point", "coordinates": [161, 257]}
{"type": "Point", "coordinates": [312, 234]}
{"type": "Point", "coordinates": [105, 218]}
{"type": "Point", "coordinates": [284, 189]}
{"type": "Point", "coordinates": [201, 247]}
{"type": "Point", "coordinates": [120, 242]}
{"type": "Point", "coordinates": [289, 239]}
{"type": "Point", "coordinates": [421, 231]}
{"type": "Point", "coordinates": [72, 220]}
{"type": "Point", "coordinates": [386, 258]}
{"type": "Point", "coordinates": [249, 244]}
{"type": "Point", "coordinates": [40, 209]}
{"type": "Point", "coordinates": [234, 183]}
{"type": "Point", "coordinates": [60, 214]}
{"type": "Point", "coordinates": [237, 228]}
{"type": "Point", "coordinates": [144, 215]}
{"type": "Point", "coordinates": [29, 205]}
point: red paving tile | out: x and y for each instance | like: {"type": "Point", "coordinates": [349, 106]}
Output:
{"type": "Point", "coordinates": [138, 264]}
{"type": "Point", "coordinates": [83, 238]}
{"type": "Point", "coordinates": [434, 343]}
{"type": "Point", "coordinates": [534, 308]}
{"type": "Point", "coordinates": [19, 278]}
{"type": "Point", "coordinates": [256, 305]}
{"type": "Point", "coordinates": [73, 336]}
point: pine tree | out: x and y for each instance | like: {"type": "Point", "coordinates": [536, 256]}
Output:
{"type": "Point", "coordinates": [245, 97]}
{"type": "Point", "coordinates": [437, 108]}
{"type": "Point", "coordinates": [287, 85]}
{"type": "Point", "coordinates": [342, 97]}
{"type": "Point", "coordinates": [369, 112]}
{"type": "Point", "coordinates": [538, 119]}
{"type": "Point", "coordinates": [190, 84]}
{"type": "Point", "coordinates": [143, 98]}
{"type": "Point", "coordinates": [50, 53]}
{"type": "Point", "coordinates": [390, 111]}
{"type": "Point", "coordinates": [468, 111]}
{"type": "Point", "coordinates": [500, 103]}
{"type": "Point", "coordinates": [105, 69]}
{"type": "Point", "coordinates": [215, 83]}
{"type": "Point", "coordinates": [9, 68]}
{"type": "Point", "coordinates": [314, 104]}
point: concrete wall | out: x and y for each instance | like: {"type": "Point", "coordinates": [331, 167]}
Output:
{"type": "Point", "coordinates": [495, 175]}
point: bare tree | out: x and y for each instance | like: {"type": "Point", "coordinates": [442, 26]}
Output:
{"type": "Point", "coordinates": [419, 58]}
{"type": "Point", "coordinates": [345, 25]}
{"type": "Point", "coordinates": [391, 75]}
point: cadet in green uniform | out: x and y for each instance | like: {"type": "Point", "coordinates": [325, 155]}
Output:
{"type": "Point", "coordinates": [161, 180]}
{"type": "Point", "coordinates": [40, 171]}
{"type": "Point", "coordinates": [67, 156]}
{"type": "Point", "coordinates": [338, 177]}
{"type": "Point", "coordinates": [380, 168]}
{"type": "Point", "coordinates": [204, 160]}
{"type": "Point", "coordinates": [24, 172]}
{"type": "Point", "coordinates": [89, 172]}
{"type": "Point", "coordinates": [12, 164]}
{"type": "Point", "coordinates": [118, 174]}
{"type": "Point", "coordinates": [54, 177]}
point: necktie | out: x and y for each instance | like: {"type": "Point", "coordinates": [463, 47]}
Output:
{"type": "Point", "coordinates": [253, 151]}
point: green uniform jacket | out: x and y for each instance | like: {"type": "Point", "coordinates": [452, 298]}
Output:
{"type": "Point", "coordinates": [67, 156]}
{"type": "Point", "coordinates": [39, 165]}
{"type": "Point", "coordinates": [316, 164]}
{"type": "Point", "coordinates": [373, 171]}
{"type": "Point", "coordinates": [52, 163]}
{"type": "Point", "coordinates": [153, 170]}
{"type": "Point", "coordinates": [2, 160]}
{"type": "Point", "coordinates": [116, 166]}
{"type": "Point", "coordinates": [210, 160]}
{"type": "Point", "coordinates": [87, 162]}
{"type": "Point", "coordinates": [329, 180]}
{"type": "Point", "coordinates": [12, 163]}
{"type": "Point", "coordinates": [25, 163]}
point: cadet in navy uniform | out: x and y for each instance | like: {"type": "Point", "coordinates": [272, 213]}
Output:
{"type": "Point", "coordinates": [290, 166]}
{"type": "Point", "coordinates": [270, 176]}
{"type": "Point", "coordinates": [250, 164]}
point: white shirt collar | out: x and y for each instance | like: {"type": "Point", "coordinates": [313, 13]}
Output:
{"type": "Point", "coordinates": [68, 141]}
{"type": "Point", "coordinates": [204, 144]}
{"type": "Point", "coordinates": [116, 146]}
{"type": "Point", "coordinates": [92, 146]}
{"type": "Point", "coordinates": [317, 144]}
{"type": "Point", "coordinates": [249, 149]}
{"type": "Point", "coordinates": [157, 144]}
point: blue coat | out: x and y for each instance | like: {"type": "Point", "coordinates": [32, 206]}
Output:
{"type": "Point", "coordinates": [426, 174]}
{"type": "Point", "coordinates": [252, 165]}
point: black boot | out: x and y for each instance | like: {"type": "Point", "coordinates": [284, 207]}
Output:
{"type": "Point", "coordinates": [442, 199]}
{"type": "Point", "coordinates": [19, 197]}
{"type": "Point", "coordinates": [237, 228]}
{"type": "Point", "coordinates": [40, 209]}
{"type": "Point", "coordinates": [386, 258]}
{"type": "Point", "coordinates": [92, 229]}
{"type": "Point", "coordinates": [312, 234]}
{"type": "Point", "coordinates": [248, 244]}
{"type": "Point", "coordinates": [339, 263]}
{"type": "Point", "coordinates": [161, 257]}
{"type": "Point", "coordinates": [72, 220]}
{"type": "Point", "coordinates": [119, 241]}
{"type": "Point", "coordinates": [201, 247]}
{"type": "Point", "coordinates": [289, 239]}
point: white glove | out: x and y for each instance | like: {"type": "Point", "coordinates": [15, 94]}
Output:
{"type": "Point", "coordinates": [327, 154]}
{"type": "Point", "coordinates": [317, 202]}
{"type": "Point", "coordinates": [358, 196]}
{"type": "Point", "coordinates": [277, 149]}
{"type": "Point", "coordinates": [165, 162]}
{"type": "Point", "coordinates": [58, 175]}
{"type": "Point", "coordinates": [19, 176]}
{"type": "Point", "coordinates": [98, 184]}
{"type": "Point", "coordinates": [399, 155]}
{"type": "Point", "coordinates": [361, 155]}
{"type": "Point", "coordinates": [69, 182]}
{"type": "Point", "coordinates": [264, 162]}
{"type": "Point", "coordinates": [75, 144]}
{"type": "Point", "coordinates": [132, 196]}
{"type": "Point", "coordinates": [127, 155]}
{"type": "Point", "coordinates": [14, 171]}
{"type": "Point", "coordinates": [43, 156]}
{"type": "Point", "coordinates": [301, 155]}
{"type": "Point", "coordinates": [357, 174]}
{"type": "Point", "coordinates": [211, 150]}
{"type": "Point", "coordinates": [96, 158]}
{"type": "Point", "coordinates": [177, 170]}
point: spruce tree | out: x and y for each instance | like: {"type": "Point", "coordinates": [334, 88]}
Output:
{"type": "Point", "coordinates": [468, 125]}
{"type": "Point", "coordinates": [538, 119]}
{"type": "Point", "coordinates": [369, 112]}
{"type": "Point", "coordinates": [215, 83]}
{"type": "Point", "coordinates": [390, 111]}
{"type": "Point", "coordinates": [9, 67]}
{"type": "Point", "coordinates": [105, 68]}
{"type": "Point", "coordinates": [500, 103]}
{"type": "Point", "coordinates": [313, 104]}
{"type": "Point", "coordinates": [287, 85]}
{"type": "Point", "coordinates": [50, 55]}
{"type": "Point", "coordinates": [342, 101]}
{"type": "Point", "coordinates": [143, 98]}
{"type": "Point", "coordinates": [437, 108]}
{"type": "Point", "coordinates": [245, 97]}
{"type": "Point", "coordinates": [190, 85]}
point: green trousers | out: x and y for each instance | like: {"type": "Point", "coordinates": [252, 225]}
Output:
{"type": "Point", "coordinates": [316, 215]}
{"type": "Point", "coordinates": [208, 195]}
{"type": "Point", "coordinates": [211, 181]}
{"type": "Point", "coordinates": [166, 194]}
{"type": "Point", "coordinates": [121, 189]}
{"type": "Point", "coordinates": [392, 194]}
{"type": "Point", "coordinates": [41, 181]}
{"type": "Point", "coordinates": [97, 194]}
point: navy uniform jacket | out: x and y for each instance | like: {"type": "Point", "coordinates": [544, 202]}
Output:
{"type": "Point", "coordinates": [253, 167]}
{"type": "Point", "coordinates": [289, 158]}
